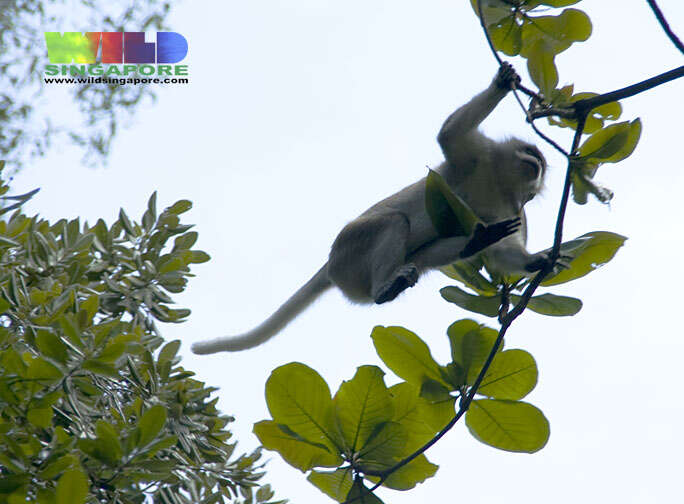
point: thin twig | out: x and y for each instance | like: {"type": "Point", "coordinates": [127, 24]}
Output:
{"type": "Point", "coordinates": [665, 25]}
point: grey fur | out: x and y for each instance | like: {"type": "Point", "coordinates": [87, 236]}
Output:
{"type": "Point", "coordinates": [384, 250]}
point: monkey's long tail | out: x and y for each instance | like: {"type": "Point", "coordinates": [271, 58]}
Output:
{"type": "Point", "coordinates": [299, 301]}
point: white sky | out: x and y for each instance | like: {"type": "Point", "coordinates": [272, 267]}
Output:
{"type": "Point", "coordinates": [299, 116]}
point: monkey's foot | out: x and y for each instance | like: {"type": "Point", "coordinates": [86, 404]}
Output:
{"type": "Point", "coordinates": [404, 277]}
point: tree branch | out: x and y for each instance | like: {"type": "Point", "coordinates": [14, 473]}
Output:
{"type": "Point", "coordinates": [585, 106]}
{"type": "Point", "coordinates": [665, 25]}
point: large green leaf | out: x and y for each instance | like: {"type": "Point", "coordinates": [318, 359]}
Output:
{"type": "Point", "coordinates": [409, 475]}
{"type": "Point", "coordinates": [421, 418]}
{"type": "Point", "coordinates": [512, 375]}
{"type": "Point", "coordinates": [52, 346]}
{"type": "Point", "coordinates": [406, 355]}
{"type": "Point", "coordinates": [296, 450]}
{"type": "Point", "coordinates": [72, 487]}
{"type": "Point", "coordinates": [596, 249]}
{"type": "Point", "coordinates": [468, 272]}
{"type": "Point", "coordinates": [556, 33]}
{"type": "Point", "coordinates": [612, 143]}
{"type": "Point", "coordinates": [361, 405]}
{"type": "Point", "coordinates": [508, 425]}
{"type": "Point", "coordinates": [449, 214]}
{"type": "Point", "coordinates": [335, 484]}
{"type": "Point", "coordinates": [151, 424]}
{"type": "Point", "coordinates": [471, 343]}
{"type": "Point", "coordinates": [493, 10]}
{"type": "Point", "coordinates": [552, 305]}
{"type": "Point", "coordinates": [506, 35]}
{"type": "Point", "coordinates": [360, 494]}
{"type": "Point", "coordinates": [485, 305]}
{"type": "Point", "coordinates": [108, 441]}
{"type": "Point", "coordinates": [298, 397]}
{"type": "Point", "coordinates": [542, 67]}
{"type": "Point", "coordinates": [387, 445]}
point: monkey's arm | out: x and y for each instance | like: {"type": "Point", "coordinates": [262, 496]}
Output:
{"type": "Point", "coordinates": [454, 137]}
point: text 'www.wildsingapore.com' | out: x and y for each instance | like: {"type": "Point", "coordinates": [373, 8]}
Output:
{"type": "Point", "coordinates": [113, 80]}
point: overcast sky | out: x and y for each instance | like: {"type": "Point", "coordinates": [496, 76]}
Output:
{"type": "Point", "coordinates": [299, 115]}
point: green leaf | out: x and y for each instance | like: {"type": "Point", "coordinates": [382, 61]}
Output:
{"type": "Point", "coordinates": [160, 445]}
{"type": "Point", "coordinates": [198, 257]}
{"type": "Point", "coordinates": [493, 11]}
{"type": "Point", "coordinates": [40, 369]}
{"type": "Point", "coordinates": [469, 274]}
{"type": "Point", "coordinates": [449, 214]}
{"type": "Point", "coordinates": [168, 352]}
{"type": "Point", "coordinates": [612, 143]}
{"type": "Point", "coordinates": [485, 305]}
{"type": "Point", "coordinates": [558, 3]}
{"type": "Point", "coordinates": [295, 450]}
{"type": "Point", "coordinates": [298, 397]}
{"type": "Point", "coordinates": [552, 305]}
{"type": "Point", "coordinates": [512, 375]}
{"type": "Point", "coordinates": [4, 305]}
{"type": "Point", "coordinates": [335, 484]}
{"type": "Point", "coordinates": [151, 424]}
{"type": "Point", "coordinates": [112, 351]}
{"type": "Point", "coordinates": [542, 67]}
{"type": "Point", "coordinates": [471, 343]}
{"type": "Point", "coordinates": [101, 368]}
{"type": "Point", "coordinates": [408, 476]}
{"type": "Point", "coordinates": [108, 442]}
{"type": "Point", "coordinates": [40, 417]}
{"type": "Point", "coordinates": [581, 174]}
{"type": "Point", "coordinates": [72, 487]}
{"type": "Point", "coordinates": [185, 242]}
{"type": "Point", "coordinates": [126, 223]}
{"type": "Point", "coordinates": [359, 493]}
{"type": "Point", "coordinates": [554, 34]}
{"type": "Point", "coordinates": [421, 418]}
{"type": "Point", "coordinates": [11, 482]}
{"type": "Point", "coordinates": [57, 467]}
{"type": "Point", "coordinates": [179, 207]}
{"type": "Point", "coordinates": [361, 405]}
{"type": "Point", "coordinates": [406, 355]}
{"type": "Point", "coordinates": [506, 35]}
{"type": "Point", "coordinates": [508, 425]}
{"type": "Point", "coordinates": [387, 446]}
{"type": "Point", "coordinates": [52, 346]}
{"type": "Point", "coordinates": [596, 249]}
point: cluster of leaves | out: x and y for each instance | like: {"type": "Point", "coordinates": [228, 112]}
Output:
{"type": "Point", "coordinates": [367, 427]}
{"type": "Point", "coordinates": [28, 132]}
{"type": "Point", "coordinates": [515, 30]}
{"type": "Point", "coordinates": [94, 407]}
{"type": "Point", "coordinates": [453, 217]}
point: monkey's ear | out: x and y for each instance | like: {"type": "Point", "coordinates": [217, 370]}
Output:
{"type": "Point", "coordinates": [450, 215]}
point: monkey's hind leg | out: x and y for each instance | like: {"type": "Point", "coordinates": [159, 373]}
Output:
{"type": "Point", "coordinates": [404, 277]}
{"type": "Point", "coordinates": [368, 259]}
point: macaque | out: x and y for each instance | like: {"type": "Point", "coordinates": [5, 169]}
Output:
{"type": "Point", "coordinates": [384, 250]}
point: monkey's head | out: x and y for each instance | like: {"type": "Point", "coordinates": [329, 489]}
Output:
{"type": "Point", "coordinates": [526, 169]}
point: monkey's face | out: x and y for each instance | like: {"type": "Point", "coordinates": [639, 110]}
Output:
{"type": "Point", "coordinates": [531, 162]}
